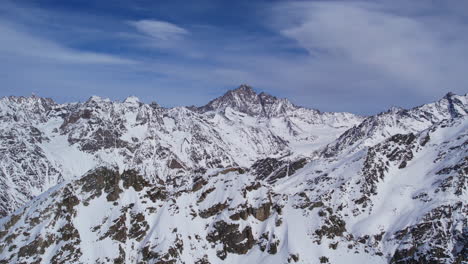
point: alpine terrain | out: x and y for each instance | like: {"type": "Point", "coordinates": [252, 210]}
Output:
{"type": "Point", "coordinates": [247, 178]}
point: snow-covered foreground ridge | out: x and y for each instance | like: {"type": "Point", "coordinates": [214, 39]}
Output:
{"type": "Point", "coordinates": [248, 178]}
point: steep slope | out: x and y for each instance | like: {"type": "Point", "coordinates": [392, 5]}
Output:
{"type": "Point", "coordinates": [376, 128]}
{"type": "Point", "coordinates": [409, 192]}
{"type": "Point", "coordinates": [46, 143]}
{"type": "Point", "coordinates": [402, 200]}
{"type": "Point", "coordinates": [25, 171]}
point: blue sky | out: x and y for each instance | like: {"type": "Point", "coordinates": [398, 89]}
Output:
{"type": "Point", "coordinates": [357, 56]}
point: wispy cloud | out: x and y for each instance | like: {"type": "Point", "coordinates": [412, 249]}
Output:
{"type": "Point", "coordinates": [407, 48]}
{"type": "Point", "coordinates": [385, 52]}
{"type": "Point", "coordinates": [160, 30]}
{"type": "Point", "coordinates": [15, 42]}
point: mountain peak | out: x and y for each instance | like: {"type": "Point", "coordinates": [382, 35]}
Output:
{"type": "Point", "coordinates": [243, 99]}
{"type": "Point", "coordinates": [97, 99]}
{"type": "Point", "coordinates": [449, 95]}
{"type": "Point", "coordinates": [244, 88]}
{"type": "Point", "coordinates": [132, 100]}
{"type": "Point", "coordinates": [244, 91]}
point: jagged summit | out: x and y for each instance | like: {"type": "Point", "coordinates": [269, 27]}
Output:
{"type": "Point", "coordinates": [449, 95]}
{"type": "Point", "coordinates": [25, 108]}
{"type": "Point", "coordinates": [244, 88]}
{"type": "Point", "coordinates": [245, 99]}
{"type": "Point", "coordinates": [97, 99]}
{"type": "Point", "coordinates": [132, 100]}
{"type": "Point", "coordinates": [22, 99]}
{"type": "Point", "coordinates": [455, 104]}
{"type": "Point", "coordinates": [399, 120]}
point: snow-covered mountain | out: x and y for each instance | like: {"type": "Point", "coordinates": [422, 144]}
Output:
{"type": "Point", "coordinates": [400, 121]}
{"type": "Point", "coordinates": [246, 178]}
{"type": "Point", "coordinates": [46, 143]}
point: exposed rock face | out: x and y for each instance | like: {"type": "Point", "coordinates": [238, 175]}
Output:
{"type": "Point", "coordinates": [244, 99]}
{"type": "Point", "coordinates": [108, 182]}
{"type": "Point", "coordinates": [265, 167]}
{"type": "Point", "coordinates": [271, 169]}
{"type": "Point", "coordinates": [233, 240]}
{"type": "Point", "coordinates": [444, 230]}
{"type": "Point", "coordinates": [261, 213]}
{"type": "Point", "coordinates": [123, 211]}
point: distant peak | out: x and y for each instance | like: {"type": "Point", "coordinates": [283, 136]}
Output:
{"type": "Point", "coordinates": [132, 100]}
{"type": "Point", "coordinates": [154, 104]}
{"type": "Point", "coordinates": [243, 89]}
{"type": "Point", "coordinates": [30, 99]}
{"type": "Point", "coordinates": [96, 100]}
{"type": "Point", "coordinates": [395, 109]}
{"type": "Point", "coordinates": [245, 99]}
{"type": "Point", "coordinates": [449, 95]}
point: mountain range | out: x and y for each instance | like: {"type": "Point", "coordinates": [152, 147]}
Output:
{"type": "Point", "coordinates": [249, 177]}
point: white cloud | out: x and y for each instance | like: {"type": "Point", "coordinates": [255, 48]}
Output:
{"type": "Point", "coordinates": [417, 50]}
{"type": "Point", "coordinates": [15, 42]}
{"type": "Point", "coordinates": [159, 29]}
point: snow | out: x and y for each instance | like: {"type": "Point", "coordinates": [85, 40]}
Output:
{"type": "Point", "coordinates": [132, 101]}
{"type": "Point", "coordinates": [72, 161]}
{"type": "Point", "coordinates": [220, 138]}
